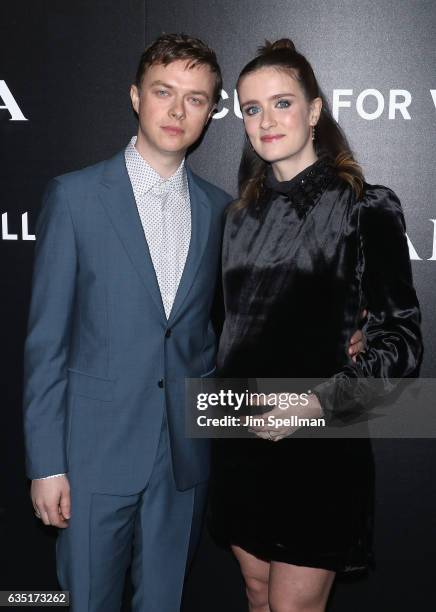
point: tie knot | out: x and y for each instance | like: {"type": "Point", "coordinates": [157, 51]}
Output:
{"type": "Point", "coordinates": [162, 189]}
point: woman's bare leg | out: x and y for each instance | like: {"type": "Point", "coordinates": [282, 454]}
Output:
{"type": "Point", "coordinates": [293, 588]}
{"type": "Point", "coordinates": [255, 573]}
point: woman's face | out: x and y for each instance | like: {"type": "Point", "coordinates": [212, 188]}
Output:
{"type": "Point", "coordinates": [277, 117]}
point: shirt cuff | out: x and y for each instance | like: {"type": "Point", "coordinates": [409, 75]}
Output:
{"type": "Point", "coordinates": [52, 476]}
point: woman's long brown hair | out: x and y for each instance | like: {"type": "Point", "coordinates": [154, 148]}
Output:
{"type": "Point", "coordinates": [330, 140]}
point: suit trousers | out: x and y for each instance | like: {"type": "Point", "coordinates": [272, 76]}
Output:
{"type": "Point", "coordinates": [155, 532]}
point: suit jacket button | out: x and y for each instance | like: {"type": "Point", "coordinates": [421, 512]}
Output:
{"type": "Point", "coordinates": [168, 333]}
{"type": "Point", "coordinates": [160, 383]}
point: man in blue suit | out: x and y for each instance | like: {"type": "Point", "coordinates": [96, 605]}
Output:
{"type": "Point", "coordinates": [127, 257]}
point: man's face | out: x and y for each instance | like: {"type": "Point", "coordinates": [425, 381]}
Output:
{"type": "Point", "coordinates": [173, 104]}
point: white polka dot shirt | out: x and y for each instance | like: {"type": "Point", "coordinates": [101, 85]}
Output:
{"type": "Point", "coordinates": [165, 211]}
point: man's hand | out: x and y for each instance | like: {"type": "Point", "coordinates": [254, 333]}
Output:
{"type": "Point", "coordinates": [51, 500]}
{"type": "Point", "coordinates": [357, 341]}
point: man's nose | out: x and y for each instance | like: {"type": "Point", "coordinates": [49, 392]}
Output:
{"type": "Point", "coordinates": [177, 110]}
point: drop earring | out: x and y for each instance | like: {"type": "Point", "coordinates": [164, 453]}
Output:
{"type": "Point", "coordinates": [313, 132]}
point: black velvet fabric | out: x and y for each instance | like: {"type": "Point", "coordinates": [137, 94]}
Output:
{"type": "Point", "coordinates": [298, 267]}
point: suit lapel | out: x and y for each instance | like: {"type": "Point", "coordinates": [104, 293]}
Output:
{"type": "Point", "coordinates": [119, 203]}
{"type": "Point", "coordinates": [200, 222]}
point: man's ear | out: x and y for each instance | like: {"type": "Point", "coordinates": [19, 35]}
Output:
{"type": "Point", "coordinates": [213, 108]}
{"type": "Point", "coordinates": [134, 96]}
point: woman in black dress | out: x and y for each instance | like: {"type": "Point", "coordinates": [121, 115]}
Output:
{"type": "Point", "coordinates": [306, 247]}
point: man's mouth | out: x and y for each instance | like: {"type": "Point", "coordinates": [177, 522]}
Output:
{"type": "Point", "coordinates": [173, 130]}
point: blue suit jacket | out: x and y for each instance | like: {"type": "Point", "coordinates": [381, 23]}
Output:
{"type": "Point", "coordinates": [98, 341]}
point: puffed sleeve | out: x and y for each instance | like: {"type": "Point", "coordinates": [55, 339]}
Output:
{"type": "Point", "coordinates": [393, 334]}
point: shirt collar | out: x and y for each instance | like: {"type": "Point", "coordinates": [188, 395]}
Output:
{"type": "Point", "coordinates": [144, 178]}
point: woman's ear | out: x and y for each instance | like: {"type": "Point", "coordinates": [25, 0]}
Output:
{"type": "Point", "coordinates": [315, 111]}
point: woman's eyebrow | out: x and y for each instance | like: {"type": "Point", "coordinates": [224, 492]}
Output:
{"type": "Point", "coordinates": [274, 97]}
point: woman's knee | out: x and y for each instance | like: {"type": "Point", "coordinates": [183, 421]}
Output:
{"type": "Point", "coordinates": [257, 592]}
{"type": "Point", "coordinates": [299, 601]}
{"type": "Point", "coordinates": [256, 575]}
{"type": "Point", "coordinates": [303, 595]}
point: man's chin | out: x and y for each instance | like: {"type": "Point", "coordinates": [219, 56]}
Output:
{"type": "Point", "coordinates": [174, 148]}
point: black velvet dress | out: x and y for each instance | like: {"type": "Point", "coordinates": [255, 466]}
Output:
{"type": "Point", "coordinates": [298, 267]}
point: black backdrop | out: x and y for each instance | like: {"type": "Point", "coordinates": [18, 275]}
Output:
{"type": "Point", "coordinates": [68, 67]}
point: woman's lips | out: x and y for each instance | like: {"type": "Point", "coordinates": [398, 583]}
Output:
{"type": "Point", "coordinates": [271, 138]}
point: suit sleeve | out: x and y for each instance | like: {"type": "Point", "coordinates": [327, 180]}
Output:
{"type": "Point", "coordinates": [48, 338]}
{"type": "Point", "coordinates": [392, 331]}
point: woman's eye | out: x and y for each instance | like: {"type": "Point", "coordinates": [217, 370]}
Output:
{"type": "Point", "coordinates": [251, 110]}
{"type": "Point", "coordinates": [283, 104]}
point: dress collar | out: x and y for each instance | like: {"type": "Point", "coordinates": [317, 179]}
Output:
{"type": "Point", "coordinates": [305, 188]}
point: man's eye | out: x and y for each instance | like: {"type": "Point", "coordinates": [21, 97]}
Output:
{"type": "Point", "coordinates": [162, 92]}
{"type": "Point", "coordinates": [251, 110]}
{"type": "Point", "coordinates": [283, 104]}
{"type": "Point", "coordinates": [196, 100]}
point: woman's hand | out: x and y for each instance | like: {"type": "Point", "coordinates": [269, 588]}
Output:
{"type": "Point", "coordinates": [274, 428]}
{"type": "Point", "coordinates": [272, 432]}
{"type": "Point", "coordinates": [357, 341]}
